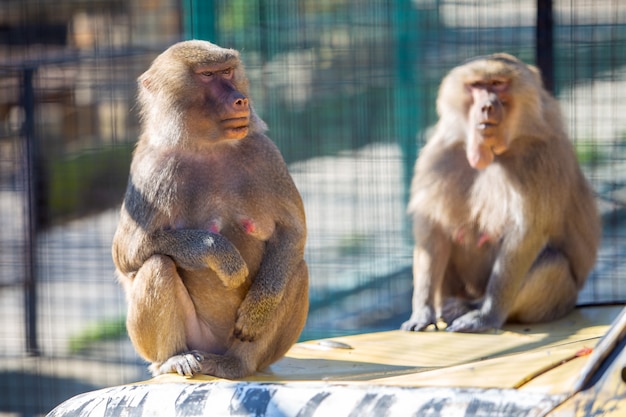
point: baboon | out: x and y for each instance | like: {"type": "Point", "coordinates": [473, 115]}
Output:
{"type": "Point", "coordinates": [506, 226]}
{"type": "Point", "coordinates": [210, 243]}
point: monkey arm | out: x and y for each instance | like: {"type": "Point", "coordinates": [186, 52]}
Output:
{"type": "Point", "coordinates": [283, 256]}
{"type": "Point", "coordinates": [431, 255]}
{"type": "Point", "coordinates": [190, 249]}
{"type": "Point", "coordinates": [195, 249]}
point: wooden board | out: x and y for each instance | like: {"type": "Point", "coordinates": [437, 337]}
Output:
{"type": "Point", "coordinates": [510, 358]}
{"type": "Point", "coordinates": [524, 370]}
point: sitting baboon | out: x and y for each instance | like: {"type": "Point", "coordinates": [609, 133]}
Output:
{"type": "Point", "coordinates": [210, 243]}
{"type": "Point", "coordinates": [505, 224]}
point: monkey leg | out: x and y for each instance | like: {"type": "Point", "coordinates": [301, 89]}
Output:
{"type": "Point", "coordinates": [245, 358]}
{"type": "Point", "coordinates": [455, 307]}
{"type": "Point", "coordinates": [548, 292]}
{"type": "Point", "coordinates": [158, 304]}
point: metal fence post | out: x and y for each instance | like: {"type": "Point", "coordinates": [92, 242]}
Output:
{"type": "Point", "coordinates": [544, 43]}
{"type": "Point", "coordinates": [31, 183]}
{"type": "Point", "coordinates": [199, 20]}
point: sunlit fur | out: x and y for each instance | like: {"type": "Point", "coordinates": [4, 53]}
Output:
{"type": "Point", "coordinates": [514, 240]}
{"type": "Point", "coordinates": [161, 100]}
{"type": "Point", "coordinates": [210, 244]}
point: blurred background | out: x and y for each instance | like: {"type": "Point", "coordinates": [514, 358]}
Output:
{"type": "Point", "coordinates": [347, 88]}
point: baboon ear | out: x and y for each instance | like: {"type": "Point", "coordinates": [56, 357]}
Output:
{"type": "Point", "coordinates": [146, 81]}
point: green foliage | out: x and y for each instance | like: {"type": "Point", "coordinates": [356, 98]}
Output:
{"type": "Point", "coordinates": [329, 124]}
{"type": "Point", "coordinates": [353, 245]}
{"type": "Point", "coordinates": [589, 153]}
{"type": "Point", "coordinates": [86, 182]}
{"type": "Point", "coordinates": [111, 329]}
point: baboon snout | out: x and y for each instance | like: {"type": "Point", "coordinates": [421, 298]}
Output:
{"type": "Point", "coordinates": [487, 108]}
{"type": "Point", "coordinates": [240, 102]}
{"type": "Point", "coordinates": [490, 109]}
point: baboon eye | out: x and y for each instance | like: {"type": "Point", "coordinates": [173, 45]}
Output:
{"type": "Point", "coordinates": [499, 85]}
{"type": "Point", "coordinates": [207, 73]}
{"type": "Point", "coordinates": [228, 73]}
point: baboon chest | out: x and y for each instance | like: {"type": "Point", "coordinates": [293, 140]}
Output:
{"type": "Point", "coordinates": [224, 204]}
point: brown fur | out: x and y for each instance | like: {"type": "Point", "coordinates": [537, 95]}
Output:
{"type": "Point", "coordinates": [210, 244]}
{"type": "Point", "coordinates": [505, 225]}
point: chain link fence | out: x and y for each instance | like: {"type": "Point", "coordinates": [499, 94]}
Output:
{"type": "Point", "coordinates": [347, 88]}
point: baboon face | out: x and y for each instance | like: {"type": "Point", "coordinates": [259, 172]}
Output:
{"type": "Point", "coordinates": [221, 102]}
{"type": "Point", "coordinates": [491, 88]}
{"type": "Point", "coordinates": [205, 85]}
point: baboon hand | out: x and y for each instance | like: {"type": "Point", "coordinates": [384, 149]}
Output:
{"type": "Point", "coordinates": [252, 318]}
{"type": "Point", "coordinates": [420, 320]}
{"type": "Point", "coordinates": [475, 322]}
{"type": "Point", "coordinates": [455, 307]}
{"type": "Point", "coordinates": [245, 329]}
{"type": "Point", "coordinates": [232, 270]}
{"type": "Point", "coordinates": [196, 249]}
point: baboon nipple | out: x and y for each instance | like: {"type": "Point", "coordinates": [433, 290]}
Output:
{"type": "Point", "coordinates": [482, 239]}
{"type": "Point", "coordinates": [215, 226]}
{"type": "Point", "coordinates": [248, 226]}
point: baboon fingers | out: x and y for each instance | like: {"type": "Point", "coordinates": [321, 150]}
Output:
{"type": "Point", "coordinates": [231, 271]}
{"type": "Point", "coordinates": [186, 364]}
{"type": "Point", "coordinates": [415, 326]}
{"type": "Point", "coordinates": [243, 331]}
{"type": "Point", "coordinates": [420, 320]}
{"type": "Point", "coordinates": [474, 321]}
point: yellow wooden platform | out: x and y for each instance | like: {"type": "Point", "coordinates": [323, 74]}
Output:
{"type": "Point", "coordinates": [528, 368]}
{"type": "Point", "coordinates": [515, 357]}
